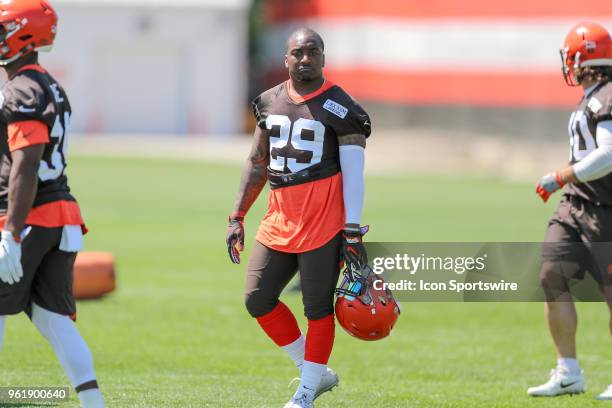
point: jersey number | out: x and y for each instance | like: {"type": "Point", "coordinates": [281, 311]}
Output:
{"type": "Point", "coordinates": [54, 168]}
{"type": "Point", "coordinates": [581, 140]}
{"type": "Point", "coordinates": [295, 146]}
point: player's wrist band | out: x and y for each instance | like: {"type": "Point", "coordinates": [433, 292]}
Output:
{"type": "Point", "coordinates": [559, 179]}
{"type": "Point", "coordinates": [237, 216]}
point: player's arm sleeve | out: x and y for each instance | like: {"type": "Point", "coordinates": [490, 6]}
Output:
{"type": "Point", "coordinates": [355, 128]}
{"type": "Point", "coordinates": [361, 120]}
{"type": "Point", "coordinates": [352, 162]}
{"type": "Point", "coordinates": [259, 111]}
{"type": "Point", "coordinates": [598, 163]}
{"type": "Point", "coordinates": [27, 133]}
{"type": "Point", "coordinates": [23, 106]}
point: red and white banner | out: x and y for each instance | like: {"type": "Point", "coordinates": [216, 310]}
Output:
{"type": "Point", "coordinates": [451, 52]}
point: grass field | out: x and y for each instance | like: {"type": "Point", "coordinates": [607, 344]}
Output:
{"type": "Point", "coordinates": [175, 333]}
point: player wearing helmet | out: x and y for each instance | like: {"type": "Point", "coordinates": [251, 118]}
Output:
{"type": "Point", "coordinates": [584, 214]}
{"type": "Point", "coordinates": [309, 144]}
{"type": "Point", "coordinates": [42, 227]}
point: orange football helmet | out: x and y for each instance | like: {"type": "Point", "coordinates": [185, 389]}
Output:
{"type": "Point", "coordinates": [586, 45]}
{"type": "Point", "coordinates": [364, 311]}
{"type": "Point", "coordinates": [25, 26]}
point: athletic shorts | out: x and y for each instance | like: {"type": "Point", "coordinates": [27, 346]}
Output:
{"type": "Point", "coordinates": [47, 275]}
{"type": "Point", "coordinates": [580, 231]}
{"type": "Point", "coordinates": [269, 271]}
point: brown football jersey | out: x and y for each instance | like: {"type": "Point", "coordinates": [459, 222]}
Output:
{"type": "Point", "coordinates": [593, 108]}
{"type": "Point", "coordinates": [304, 135]}
{"type": "Point", "coordinates": [33, 95]}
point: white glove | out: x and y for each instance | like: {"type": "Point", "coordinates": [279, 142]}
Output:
{"type": "Point", "coordinates": [10, 259]}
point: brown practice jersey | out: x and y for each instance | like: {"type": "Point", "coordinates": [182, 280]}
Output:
{"type": "Point", "coordinates": [305, 205]}
{"type": "Point", "coordinates": [32, 96]}
{"type": "Point", "coordinates": [593, 108]}
{"type": "Point", "coordinates": [304, 135]}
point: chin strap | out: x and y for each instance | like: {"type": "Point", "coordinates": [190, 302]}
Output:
{"type": "Point", "coordinates": [5, 62]}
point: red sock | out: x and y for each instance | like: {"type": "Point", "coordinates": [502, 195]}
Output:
{"type": "Point", "coordinates": [280, 325]}
{"type": "Point", "coordinates": [320, 340]}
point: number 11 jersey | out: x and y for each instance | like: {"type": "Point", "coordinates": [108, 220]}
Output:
{"type": "Point", "coordinates": [306, 207]}
{"type": "Point", "coordinates": [595, 107]}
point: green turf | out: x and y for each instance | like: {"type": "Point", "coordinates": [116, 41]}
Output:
{"type": "Point", "coordinates": [175, 333]}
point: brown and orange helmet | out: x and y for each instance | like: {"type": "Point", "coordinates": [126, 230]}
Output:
{"type": "Point", "coordinates": [586, 45]}
{"type": "Point", "coordinates": [25, 26]}
{"type": "Point", "coordinates": [364, 308]}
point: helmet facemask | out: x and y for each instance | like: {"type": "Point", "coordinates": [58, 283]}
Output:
{"type": "Point", "coordinates": [357, 288]}
{"type": "Point", "coordinates": [568, 71]}
{"type": "Point", "coordinates": [8, 30]}
{"type": "Point", "coordinates": [362, 287]}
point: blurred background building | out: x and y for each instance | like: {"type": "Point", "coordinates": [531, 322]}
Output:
{"type": "Point", "coordinates": [191, 66]}
{"type": "Point", "coordinates": [473, 65]}
{"type": "Point", "coordinates": [152, 66]}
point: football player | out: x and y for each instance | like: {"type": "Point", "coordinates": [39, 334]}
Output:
{"type": "Point", "coordinates": [584, 214]}
{"type": "Point", "coordinates": [42, 228]}
{"type": "Point", "coordinates": [309, 145]}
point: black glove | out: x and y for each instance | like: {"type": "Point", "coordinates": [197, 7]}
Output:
{"type": "Point", "coordinates": [235, 237]}
{"type": "Point", "coordinates": [353, 251]}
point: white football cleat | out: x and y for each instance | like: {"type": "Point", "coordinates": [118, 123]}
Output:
{"type": "Point", "coordinates": [606, 395]}
{"type": "Point", "coordinates": [561, 382]}
{"type": "Point", "coordinates": [329, 380]}
{"type": "Point", "coordinates": [300, 401]}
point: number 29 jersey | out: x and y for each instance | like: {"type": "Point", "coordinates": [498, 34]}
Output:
{"type": "Point", "coordinates": [594, 107]}
{"type": "Point", "coordinates": [306, 207]}
{"type": "Point", "coordinates": [35, 110]}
